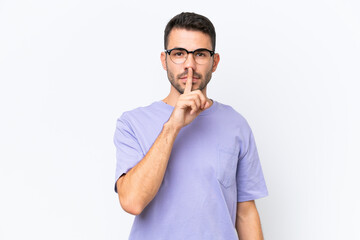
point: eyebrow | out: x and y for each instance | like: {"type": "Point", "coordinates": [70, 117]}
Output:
{"type": "Point", "coordinates": [192, 50]}
{"type": "Point", "coordinates": [188, 50]}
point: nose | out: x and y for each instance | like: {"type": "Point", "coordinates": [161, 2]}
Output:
{"type": "Point", "coordinates": [190, 62]}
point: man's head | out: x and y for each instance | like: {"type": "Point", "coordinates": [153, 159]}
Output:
{"type": "Point", "coordinates": [190, 21]}
{"type": "Point", "coordinates": [185, 33]}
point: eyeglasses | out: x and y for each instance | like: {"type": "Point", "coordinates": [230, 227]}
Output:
{"type": "Point", "coordinates": [179, 55]}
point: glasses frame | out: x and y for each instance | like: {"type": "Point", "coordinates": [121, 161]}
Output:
{"type": "Point", "coordinates": [168, 51]}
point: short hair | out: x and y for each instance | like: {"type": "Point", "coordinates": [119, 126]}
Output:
{"type": "Point", "coordinates": [190, 21]}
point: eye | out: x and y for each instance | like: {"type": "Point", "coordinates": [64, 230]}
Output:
{"type": "Point", "coordinates": [178, 53]}
{"type": "Point", "coordinates": [201, 54]}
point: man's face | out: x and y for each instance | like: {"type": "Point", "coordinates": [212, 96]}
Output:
{"type": "Point", "coordinates": [177, 73]}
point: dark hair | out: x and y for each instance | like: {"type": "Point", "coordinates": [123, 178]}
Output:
{"type": "Point", "coordinates": [190, 21]}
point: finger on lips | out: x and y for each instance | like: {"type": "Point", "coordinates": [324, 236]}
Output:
{"type": "Point", "coordinates": [199, 102]}
{"type": "Point", "coordinates": [188, 85]}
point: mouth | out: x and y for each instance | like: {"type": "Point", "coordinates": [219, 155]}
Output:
{"type": "Point", "coordinates": [194, 79]}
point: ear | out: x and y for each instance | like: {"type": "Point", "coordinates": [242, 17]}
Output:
{"type": "Point", "coordinates": [216, 62]}
{"type": "Point", "coordinates": [163, 60]}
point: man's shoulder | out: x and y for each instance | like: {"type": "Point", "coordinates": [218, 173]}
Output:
{"type": "Point", "coordinates": [227, 111]}
{"type": "Point", "coordinates": [137, 111]}
{"type": "Point", "coordinates": [231, 118]}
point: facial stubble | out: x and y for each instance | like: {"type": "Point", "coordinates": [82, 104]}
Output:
{"type": "Point", "coordinates": [175, 82]}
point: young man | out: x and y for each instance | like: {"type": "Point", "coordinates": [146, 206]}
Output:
{"type": "Point", "coordinates": [187, 166]}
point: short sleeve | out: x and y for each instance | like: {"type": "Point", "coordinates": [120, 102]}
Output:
{"type": "Point", "coordinates": [249, 177]}
{"type": "Point", "coordinates": [128, 150]}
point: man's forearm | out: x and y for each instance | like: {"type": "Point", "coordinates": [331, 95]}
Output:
{"type": "Point", "coordinates": [140, 185]}
{"type": "Point", "coordinates": [248, 226]}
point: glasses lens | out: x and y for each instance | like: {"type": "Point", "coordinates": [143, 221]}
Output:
{"type": "Point", "coordinates": [202, 56]}
{"type": "Point", "coordinates": [178, 55]}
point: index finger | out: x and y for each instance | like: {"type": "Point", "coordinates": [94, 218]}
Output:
{"type": "Point", "coordinates": [188, 85]}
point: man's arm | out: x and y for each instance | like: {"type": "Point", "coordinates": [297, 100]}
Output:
{"type": "Point", "coordinates": [247, 223]}
{"type": "Point", "coordinates": [141, 183]}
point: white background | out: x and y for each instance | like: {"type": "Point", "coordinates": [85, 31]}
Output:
{"type": "Point", "coordinates": [69, 68]}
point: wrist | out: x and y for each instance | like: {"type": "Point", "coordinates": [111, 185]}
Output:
{"type": "Point", "coordinates": [171, 127]}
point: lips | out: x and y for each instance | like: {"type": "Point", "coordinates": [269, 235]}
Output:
{"type": "Point", "coordinates": [185, 78]}
{"type": "Point", "coordinates": [194, 80]}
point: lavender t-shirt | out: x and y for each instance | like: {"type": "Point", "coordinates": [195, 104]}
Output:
{"type": "Point", "coordinates": [213, 165]}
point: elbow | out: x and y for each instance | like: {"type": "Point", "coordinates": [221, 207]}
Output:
{"type": "Point", "coordinates": [130, 207]}
{"type": "Point", "coordinates": [128, 203]}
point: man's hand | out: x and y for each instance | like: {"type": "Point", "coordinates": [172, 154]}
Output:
{"type": "Point", "coordinates": [189, 105]}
